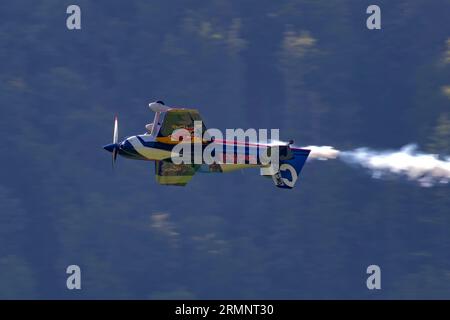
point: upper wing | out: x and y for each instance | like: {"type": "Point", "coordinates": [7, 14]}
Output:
{"type": "Point", "coordinates": [174, 119]}
{"type": "Point", "coordinates": [169, 173]}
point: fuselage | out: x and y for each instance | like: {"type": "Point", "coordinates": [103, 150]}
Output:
{"type": "Point", "coordinates": [233, 154]}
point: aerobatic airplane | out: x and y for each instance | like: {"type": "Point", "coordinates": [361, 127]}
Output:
{"type": "Point", "coordinates": [158, 144]}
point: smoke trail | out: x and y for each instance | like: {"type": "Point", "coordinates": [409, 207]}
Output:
{"type": "Point", "coordinates": [426, 169]}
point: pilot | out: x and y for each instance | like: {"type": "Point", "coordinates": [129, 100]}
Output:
{"type": "Point", "coordinates": [149, 127]}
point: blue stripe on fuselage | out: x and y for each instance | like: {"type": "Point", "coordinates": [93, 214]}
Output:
{"type": "Point", "coordinates": [126, 149]}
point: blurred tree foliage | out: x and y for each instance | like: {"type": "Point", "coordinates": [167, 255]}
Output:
{"type": "Point", "coordinates": [308, 67]}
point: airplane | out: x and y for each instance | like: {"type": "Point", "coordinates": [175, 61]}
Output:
{"type": "Point", "coordinates": [158, 142]}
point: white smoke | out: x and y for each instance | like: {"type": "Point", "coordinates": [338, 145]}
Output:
{"type": "Point", "coordinates": [426, 169]}
{"type": "Point", "coordinates": [322, 152]}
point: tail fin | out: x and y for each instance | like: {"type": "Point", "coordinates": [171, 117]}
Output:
{"type": "Point", "coordinates": [290, 169]}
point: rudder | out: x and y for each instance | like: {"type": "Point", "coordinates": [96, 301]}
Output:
{"type": "Point", "coordinates": [289, 170]}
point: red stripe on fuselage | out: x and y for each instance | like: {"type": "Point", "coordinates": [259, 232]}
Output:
{"type": "Point", "coordinates": [241, 143]}
{"type": "Point", "coordinates": [255, 144]}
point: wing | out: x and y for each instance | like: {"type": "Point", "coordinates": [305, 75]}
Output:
{"type": "Point", "coordinates": [176, 118]}
{"type": "Point", "coordinates": [168, 173]}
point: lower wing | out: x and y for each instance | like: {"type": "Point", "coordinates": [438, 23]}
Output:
{"type": "Point", "coordinates": [168, 173]}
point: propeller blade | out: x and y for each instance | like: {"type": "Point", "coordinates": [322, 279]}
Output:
{"type": "Point", "coordinates": [114, 155]}
{"type": "Point", "coordinates": [116, 130]}
{"type": "Point", "coordinates": [115, 140]}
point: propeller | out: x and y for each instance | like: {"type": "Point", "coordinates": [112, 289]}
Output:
{"type": "Point", "coordinates": [114, 146]}
{"type": "Point", "coordinates": [115, 140]}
